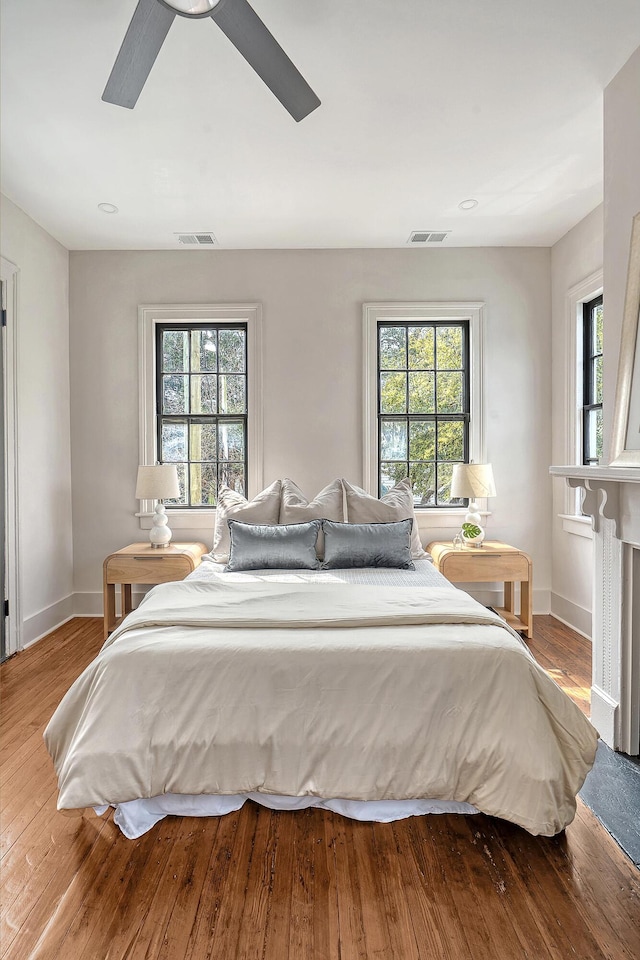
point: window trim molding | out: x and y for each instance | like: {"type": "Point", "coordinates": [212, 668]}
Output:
{"type": "Point", "coordinates": [10, 274]}
{"type": "Point", "coordinates": [588, 387]}
{"type": "Point", "coordinates": [587, 289]}
{"type": "Point", "coordinates": [148, 316]}
{"type": "Point", "coordinates": [372, 313]}
{"type": "Point", "coordinates": [578, 526]}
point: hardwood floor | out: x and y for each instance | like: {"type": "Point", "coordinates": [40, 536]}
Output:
{"type": "Point", "coordinates": [308, 885]}
{"type": "Point", "coordinates": [566, 656]}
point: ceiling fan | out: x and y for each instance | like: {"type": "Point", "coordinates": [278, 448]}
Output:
{"type": "Point", "coordinates": [242, 25]}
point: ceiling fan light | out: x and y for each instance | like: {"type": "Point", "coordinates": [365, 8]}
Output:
{"type": "Point", "coordinates": [194, 7]}
{"type": "Point", "coordinates": [151, 22]}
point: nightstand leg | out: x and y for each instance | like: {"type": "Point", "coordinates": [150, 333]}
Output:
{"type": "Point", "coordinates": [125, 597]}
{"type": "Point", "coordinates": [509, 597]}
{"type": "Point", "coordinates": [109, 603]}
{"type": "Point", "coordinates": [526, 607]}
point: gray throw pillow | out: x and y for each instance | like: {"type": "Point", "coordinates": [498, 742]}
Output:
{"type": "Point", "coordinates": [263, 546]}
{"type": "Point", "coordinates": [367, 545]}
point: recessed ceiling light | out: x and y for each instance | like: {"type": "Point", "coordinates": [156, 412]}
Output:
{"type": "Point", "coordinates": [108, 207]}
{"type": "Point", "coordinates": [468, 204]}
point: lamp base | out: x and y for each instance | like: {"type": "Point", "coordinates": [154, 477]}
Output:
{"type": "Point", "coordinates": [160, 533]}
{"type": "Point", "coordinates": [472, 529]}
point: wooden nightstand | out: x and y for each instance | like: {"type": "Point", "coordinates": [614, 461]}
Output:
{"type": "Point", "coordinates": [142, 563]}
{"type": "Point", "coordinates": [490, 562]}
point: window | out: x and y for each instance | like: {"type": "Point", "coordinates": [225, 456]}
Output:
{"type": "Point", "coordinates": [201, 403]}
{"type": "Point", "coordinates": [422, 393]}
{"type": "Point", "coordinates": [423, 406]}
{"type": "Point", "coordinates": [592, 323]}
{"type": "Point", "coordinates": [571, 373]}
{"type": "Point", "coordinates": [200, 379]}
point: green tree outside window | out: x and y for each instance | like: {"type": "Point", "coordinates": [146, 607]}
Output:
{"type": "Point", "coordinates": [423, 406]}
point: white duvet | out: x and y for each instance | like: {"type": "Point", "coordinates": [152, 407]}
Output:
{"type": "Point", "coordinates": [327, 689]}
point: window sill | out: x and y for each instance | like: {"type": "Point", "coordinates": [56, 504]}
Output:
{"type": "Point", "coordinates": [447, 518]}
{"type": "Point", "coordinates": [579, 526]}
{"type": "Point", "coordinates": [427, 517]}
{"type": "Point", "coordinates": [182, 519]}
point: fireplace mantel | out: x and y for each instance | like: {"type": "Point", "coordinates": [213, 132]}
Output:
{"type": "Point", "coordinates": [611, 492]}
{"type": "Point", "coordinates": [612, 499]}
{"type": "Point", "coordinates": [603, 474]}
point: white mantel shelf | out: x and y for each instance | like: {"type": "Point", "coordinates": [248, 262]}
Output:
{"type": "Point", "coordinates": [617, 474]}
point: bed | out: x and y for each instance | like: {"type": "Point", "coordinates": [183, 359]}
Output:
{"type": "Point", "coordinates": [376, 693]}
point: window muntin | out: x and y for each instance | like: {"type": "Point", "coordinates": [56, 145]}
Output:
{"type": "Point", "coordinates": [592, 340]}
{"type": "Point", "coordinates": [201, 407]}
{"type": "Point", "coordinates": [423, 405]}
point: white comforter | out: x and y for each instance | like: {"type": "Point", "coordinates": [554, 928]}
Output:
{"type": "Point", "coordinates": [329, 690]}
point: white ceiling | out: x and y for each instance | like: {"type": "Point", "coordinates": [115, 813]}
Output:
{"type": "Point", "coordinates": [425, 103]}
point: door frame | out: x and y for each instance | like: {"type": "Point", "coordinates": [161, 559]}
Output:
{"type": "Point", "coordinates": [9, 273]}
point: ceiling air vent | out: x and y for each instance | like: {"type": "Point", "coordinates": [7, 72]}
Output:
{"type": "Point", "coordinates": [428, 236]}
{"type": "Point", "coordinates": [196, 239]}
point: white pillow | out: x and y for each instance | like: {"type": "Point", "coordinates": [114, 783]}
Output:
{"type": "Point", "coordinates": [397, 504]}
{"type": "Point", "coordinates": [326, 505]}
{"type": "Point", "coordinates": [265, 508]}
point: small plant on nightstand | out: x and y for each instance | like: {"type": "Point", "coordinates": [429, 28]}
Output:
{"type": "Point", "coordinates": [472, 534]}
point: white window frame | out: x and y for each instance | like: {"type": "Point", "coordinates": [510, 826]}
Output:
{"type": "Point", "coordinates": [588, 289]}
{"type": "Point", "coordinates": [148, 316]}
{"type": "Point", "coordinates": [372, 314]}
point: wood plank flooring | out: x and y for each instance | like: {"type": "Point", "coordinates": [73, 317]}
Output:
{"type": "Point", "coordinates": [310, 885]}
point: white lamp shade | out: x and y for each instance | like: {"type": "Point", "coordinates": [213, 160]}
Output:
{"type": "Point", "coordinates": [158, 483]}
{"type": "Point", "coordinates": [472, 480]}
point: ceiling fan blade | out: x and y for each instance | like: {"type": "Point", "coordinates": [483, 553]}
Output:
{"type": "Point", "coordinates": [242, 25]}
{"type": "Point", "coordinates": [144, 37]}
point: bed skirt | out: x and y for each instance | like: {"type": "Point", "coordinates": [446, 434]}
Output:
{"type": "Point", "coordinates": [136, 817]}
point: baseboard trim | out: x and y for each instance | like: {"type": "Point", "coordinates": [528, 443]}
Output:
{"type": "Point", "coordinates": [36, 627]}
{"type": "Point", "coordinates": [604, 713]}
{"type": "Point", "coordinates": [493, 597]}
{"type": "Point", "coordinates": [89, 604]}
{"type": "Point", "coordinates": [572, 615]}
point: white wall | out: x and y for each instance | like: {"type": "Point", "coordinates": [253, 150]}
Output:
{"type": "Point", "coordinates": [44, 484]}
{"type": "Point", "coordinates": [621, 203]}
{"type": "Point", "coordinates": [313, 357]}
{"type": "Point", "coordinates": [601, 240]}
{"type": "Point", "coordinates": [577, 256]}
{"type": "Point", "coordinates": [312, 371]}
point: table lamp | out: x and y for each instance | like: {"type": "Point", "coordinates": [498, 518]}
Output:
{"type": "Point", "coordinates": [158, 483]}
{"type": "Point", "coordinates": [472, 480]}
